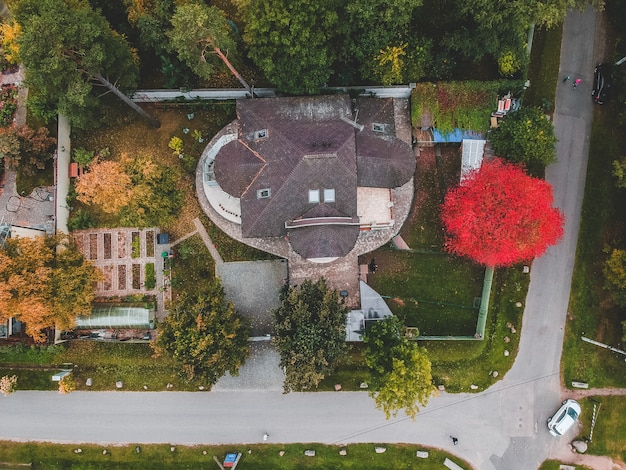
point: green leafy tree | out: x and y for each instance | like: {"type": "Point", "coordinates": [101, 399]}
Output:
{"type": "Point", "coordinates": [290, 40]}
{"type": "Point", "coordinates": [614, 271]}
{"type": "Point", "coordinates": [204, 333]}
{"type": "Point", "coordinates": [547, 13]}
{"type": "Point", "coordinates": [26, 148]}
{"type": "Point", "coordinates": [525, 136]}
{"type": "Point", "coordinates": [83, 156]}
{"type": "Point", "coordinates": [401, 370]}
{"type": "Point", "coordinates": [369, 26]}
{"type": "Point", "coordinates": [199, 35]}
{"type": "Point", "coordinates": [310, 333]}
{"type": "Point", "coordinates": [45, 282]}
{"type": "Point", "coordinates": [66, 47]}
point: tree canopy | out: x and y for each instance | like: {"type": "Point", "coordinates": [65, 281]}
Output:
{"type": "Point", "coordinates": [45, 282]}
{"type": "Point", "coordinates": [401, 370]}
{"type": "Point", "coordinates": [141, 192]}
{"type": "Point", "coordinates": [291, 41]}
{"type": "Point", "coordinates": [310, 333]}
{"type": "Point", "coordinates": [26, 148]}
{"type": "Point", "coordinates": [197, 31]}
{"type": "Point", "coordinates": [205, 334]}
{"type": "Point", "coordinates": [499, 215]}
{"type": "Point", "coordinates": [65, 45]}
{"type": "Point", "coordinates": [525, 136]}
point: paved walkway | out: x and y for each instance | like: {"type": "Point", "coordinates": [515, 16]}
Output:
{"type": "Point", "coordinates": [208, 242]}
{"type": "Point", "coordinates": [62, 176]}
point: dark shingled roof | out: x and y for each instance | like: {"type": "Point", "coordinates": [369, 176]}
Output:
{"type": "Point", "coordinates": [323, 241]}
{"type": "Point", "coordinates": [236, 167]}
{"type": "Point", "coordinates": [293, 145]}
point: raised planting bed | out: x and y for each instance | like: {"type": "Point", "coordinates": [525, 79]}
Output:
{"type": "Point", "coordinates": [150, 282]}
{"type": "Point", "coordinates": [149, 243]}
{"type": "Point", "coordinates": [108, 277]}
{"type": "Point", "coordinates": [121, 245]}
{"type": "Point", "coordinates": [93, 246]}
{"type": "Point", "coordinates": [121, 277]}
{"type": "Point", "coordinates": [136, 282]}
{"type": "Point", "coordinates": [107, 246]}
{"type": "Point", "coordinates": [135, 245]}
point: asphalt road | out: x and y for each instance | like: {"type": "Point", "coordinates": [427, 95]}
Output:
{"type": "Point", "coordinates": [501, 428]}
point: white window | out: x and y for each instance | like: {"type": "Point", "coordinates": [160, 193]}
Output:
{"type": "Point", "coordinates": [377, 127]}
{"type": "Point", "coordinates": [314, 196]}
{"type": "Point", "coordinates": [262, 134]}
{"type": "Point", "coordinates": [329, 195]}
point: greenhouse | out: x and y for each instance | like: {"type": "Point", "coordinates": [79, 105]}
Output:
{"type": "Point", "coordinates": [118, 316]}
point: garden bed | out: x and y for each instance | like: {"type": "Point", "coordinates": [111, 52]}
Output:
{"type": "Point", "coordinates": [121, 245]}
{"type": "Point", "coordinates": [107, 245]}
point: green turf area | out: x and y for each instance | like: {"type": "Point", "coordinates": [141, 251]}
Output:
{"type": "Point", "coordinates": [266, 456]}
{"type": "Point", "coordinates": [591, 311]}
{"type": "Point", "coordinates": [609, 433]}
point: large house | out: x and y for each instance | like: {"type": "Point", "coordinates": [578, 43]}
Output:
{"type": "Point", "coordinates": [308, 178]}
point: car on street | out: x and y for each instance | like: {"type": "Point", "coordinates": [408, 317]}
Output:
{"type": "Point", "coordinates": [601, 83]}
{"type": "Point", "coordinates": [564, 418]}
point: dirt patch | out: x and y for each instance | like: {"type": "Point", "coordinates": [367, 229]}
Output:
{"type": "Point", "coordinates": [107, 245]}
{"type": "Point", "coordinates": [136, 282]}
{"type": "Point", "coordinates": [80, 242]}
{"type": "Point", "coordinates": [121, 277]}
{"type": "Point", "coordinates": [108, 277]}
{"type": "Point", "coordinates": [398, 301]}
{"type": "Point", "coordinates": [121, 245]}
{"type": "Point", "coordinates": [93, 246]}
{"type": "Point", "coordinates": [149, 243]}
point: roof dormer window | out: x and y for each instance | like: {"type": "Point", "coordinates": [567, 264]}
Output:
{"type": "Point", "coordinates": [261, 134]}
{"type": "Point", "coordinates": [314, 196]}
{"type": "Point", "coordinates": [263, 193]}
{"type": "Point", "coordinates": [329, 195]}
{"type": "Point", "coordinates": [378, 127]}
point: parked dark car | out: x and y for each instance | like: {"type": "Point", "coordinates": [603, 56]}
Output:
{"type": "Point", "coordinates": [601, 83]}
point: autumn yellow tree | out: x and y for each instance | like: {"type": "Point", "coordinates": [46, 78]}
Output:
{"type": "Point", "coordinates": [105, 184]}
{"type": "Point", "coordinates": [9, 33]}
{"type": "Point", "coordinates": [45, 282]}
{"type": "Point", "coordinates": [389, 64]}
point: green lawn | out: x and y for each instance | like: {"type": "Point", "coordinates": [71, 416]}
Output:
{"type": "Point", "coordinates": [609, 434]}
{"type": "Point", "coordinates": [104, 362]}
{"type": "Point", "coordinates": [261, 457]}
{"type": "Point", "coordinates": [592, 314]}
{"type": "Point", "coordinates": [432, 291]}
{"type": "Point", "coordinates": [543, 70]}
{"type": "Point", "coordinates": [555, 465]}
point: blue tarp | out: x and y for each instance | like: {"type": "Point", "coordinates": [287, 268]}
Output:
{"type": "Point", "coordinates": [456, 136]}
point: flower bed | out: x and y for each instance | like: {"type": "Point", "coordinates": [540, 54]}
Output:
{"type": "Point", "coordinates": [8, 104]}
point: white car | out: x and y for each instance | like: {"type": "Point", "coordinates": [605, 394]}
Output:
{"type": "Point", "coordinates": [564, 418]}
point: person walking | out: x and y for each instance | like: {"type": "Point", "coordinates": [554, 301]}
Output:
{"type": "Point", "coordinates": [455, 441]}
{"type": "Point", "coordinates": [265, 436]}
{"type": "Point", "coordinates": [576, 82]}
{"type": "Point", "coordinates": [567, 77]}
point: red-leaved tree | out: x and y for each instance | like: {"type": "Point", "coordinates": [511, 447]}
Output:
{"type": "Point", "coordinates": [499, 216]}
